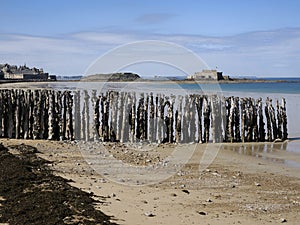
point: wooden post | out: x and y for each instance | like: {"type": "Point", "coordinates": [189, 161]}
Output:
{"type": "Point", "coordinates": [192, 118]}
{"type": "Point", "coordinates": [155, 129]}
{"type": "Point", "coordinates": [151, 133]}
{"type": "Point", "coordinates": [206, 114]}
{"type": "Point", "coordinates": [261, 124]}
{"type": "Point", "coordinates": [249, 120]}
{"type": "Point", "coordinates": [141, 118]}
{"type": "Point", "coordinates": [26, 114]}
{"type": "Point", "coordinates": [168, 123]}
{"type": "Point", "coordinates": [223, 104]}
{"type": "Point", "coordinates": [213, 118]}
{"type": "Point", "coordinates": [243, 119]}
{"type": "Point", "coordinates": [77, 116]}
{"type": "Point", "coordinates": [284, 119]}
{"type": "Point", "coordinates": [35, 121]}
{"type": "Point", "coordinates": [269, 130]}
{"type": "Point", "coordinates": [106, 135]}
{"type": "Point", "coordinates": [101, 119]}
{"type": "Point", "coordinates": [51, 115]}
{"type": "Point", "coordinates": [31, 119]}
{"type": "Point", "coordinates": [1, 112]}
{"type": "Point", "coordinates": [199, 103]}
{"type": "Point", "coordinates": [185, 120]}
{"type": "Point", "coordinates": [59, 118]}
{"type": "Point", "coordinates": [163, 113]}
{"type": "Point", "coordinates": [279, 120]}
{"type": "Point", "coordinates": [237, 119]}
{"type": "Point", "coordinates": [120, 108]}
{"type": "Point", "coordinates": [171, 115]}
{"type": "Point", "coordinates": [43, 115]}
{"type": "Point", "coordinates": [178, 117]}
{"type": "Point", "coordinates": [95, 106]}
{"type": "Point", "coordinates": [227, 107]}
{"type": "Point", "coordinates": [231, 119]}
{"type": "Point", "coordinates": [255, 125]}
{"type": "Point", "coordinates": [13, 101]}
{"type": "Point", "coordinates": [219, 120]}
{"type": "Point", "coordinates": [70, 128]}
{"type": "Point", "coordinates": [64, 116]}
{"type": "Point", "coordinates": [133, 118]}
{"type": "Point", "coordinates": [273, 120]}
{"type": "Point", "coordinates": [124, 122]}
{"type": "Point", "coordinates": [3, 108]}
{"type": "Point", "coordinates": [87, 115]}
{"type": "Point", "coordinates": [160, 123]}
{"type": "Point", "coordinates": [10, 115]}
{"type": "Point", "coordinates": [18, 113]}
{"type": "Point", "coordinates": [146, 106]}
{"type": "Point", "coordinates": [114, 116]}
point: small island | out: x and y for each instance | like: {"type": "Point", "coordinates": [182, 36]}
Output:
{"type": "Point", "coordinates": [205, 76]}
{"type": "Point", "coordinates": [111, 77]}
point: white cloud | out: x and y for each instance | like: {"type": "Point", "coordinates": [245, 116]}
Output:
{"type": "Point", "coordinates": [103, 37]}
{"type": "Point", "coordinates": [256, 53]}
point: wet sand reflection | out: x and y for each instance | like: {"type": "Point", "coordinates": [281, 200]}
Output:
{"type": "Point", "coordinates": [287, 152]}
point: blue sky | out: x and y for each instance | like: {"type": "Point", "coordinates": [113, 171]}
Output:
{"type": "Point", "coordinates": [64, 37]}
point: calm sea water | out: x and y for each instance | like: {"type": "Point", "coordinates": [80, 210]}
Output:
{"type": "Point", "coordinates": [272, 87]}
{"type": "Point", "coordinates": [290, 86]}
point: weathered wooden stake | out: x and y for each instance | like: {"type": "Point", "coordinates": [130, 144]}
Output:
{"type": "Point", "coordinates": [284, 119]}
{"type": "Point", "coordinates": [48, 114]}
{"type": "Point", "coordinates": [206, 114]}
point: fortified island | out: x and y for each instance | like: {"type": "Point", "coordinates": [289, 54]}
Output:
{"type": "Point", "coordinates": [209, 75]}
{"type": "Point", "coordinates": [23, 73]}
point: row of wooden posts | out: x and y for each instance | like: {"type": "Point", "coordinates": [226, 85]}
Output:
{"type": "Point", "coordinates": [139, 117]}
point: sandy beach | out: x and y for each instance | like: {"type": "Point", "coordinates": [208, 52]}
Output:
{"type": "Point", "coordinates": [229, 183]}
{"type": "Point", "coordinates": [244, 184]}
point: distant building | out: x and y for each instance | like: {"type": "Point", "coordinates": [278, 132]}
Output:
{"type": "Point", "coordinates": [207, 75]}
{"type": "Point", "coordinates": [13, 72]}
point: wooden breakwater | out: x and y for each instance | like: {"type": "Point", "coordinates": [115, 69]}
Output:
{"type": "Point", "coordinates": [135, 117]}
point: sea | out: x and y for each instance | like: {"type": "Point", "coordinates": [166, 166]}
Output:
{"type": "Point", "coordinates": [284, 86]}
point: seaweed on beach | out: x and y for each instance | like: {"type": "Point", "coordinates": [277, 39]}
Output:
{"type": "Point", "coordinates": [31, 194]}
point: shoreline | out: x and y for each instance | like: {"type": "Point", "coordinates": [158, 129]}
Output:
{"type": "Point", "coordinates": [232, 81]}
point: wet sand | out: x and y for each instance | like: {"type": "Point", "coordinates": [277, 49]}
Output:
{"type": "Point", "coordinates": [244, 184]}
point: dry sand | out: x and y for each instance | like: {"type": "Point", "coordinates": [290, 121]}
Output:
{"type": "Point", "coordinates": [256, 187]}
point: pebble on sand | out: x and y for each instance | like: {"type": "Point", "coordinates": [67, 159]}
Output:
{"type": "Point", "coordinates": [283, 220]}
{"type": "Point", "coordinates": [201, 213]}
{"type": "Point", "coordinates": [149, 214]}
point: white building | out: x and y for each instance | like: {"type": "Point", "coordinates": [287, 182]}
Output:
{"type": "Point", "coordinates": [207, 75]}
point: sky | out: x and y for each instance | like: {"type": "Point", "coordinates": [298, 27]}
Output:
{"type": "Point", "coordinates": [250, 38]}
